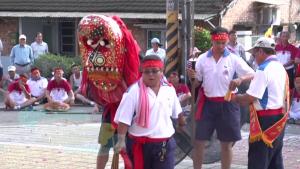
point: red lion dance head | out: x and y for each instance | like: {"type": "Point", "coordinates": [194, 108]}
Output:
{"type": "Point", "coordinates": [109, 57]}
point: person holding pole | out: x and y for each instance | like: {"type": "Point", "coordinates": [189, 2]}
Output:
{"type": "Point", "coordinates": [215, 70]}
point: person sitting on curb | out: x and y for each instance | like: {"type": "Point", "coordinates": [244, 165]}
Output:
{"type": "Point", "coordinates": [18, 95]}
{"type": "Point", "coordinates": [37, 85]}
{"type": "Point", "coordinates": [182, 91]}
{"type": "Point", "coordinates": [11, 77]}
{"type": "Point", "coordinates": [59, 93]}
{"type": "Point", "coordinates": [75, 82]}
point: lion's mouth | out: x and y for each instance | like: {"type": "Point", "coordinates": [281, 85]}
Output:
{"type": "Point", "coordinates": [104, 78]}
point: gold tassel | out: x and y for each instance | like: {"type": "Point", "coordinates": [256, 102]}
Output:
{"type": "Point", "coordinates": [255, 138]}
{"type": "Point", "coordinates": [266, 141]}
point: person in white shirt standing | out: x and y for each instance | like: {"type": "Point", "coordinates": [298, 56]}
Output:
{"type": "Point", "coordinates": [145, 112]}
{"type": "Point", "coordinates": [37, 85]}
{"type": "Point", "coordinates": [39, 47]}
{"type": "Point", "coordinates": [156, 50]}
{"type": "Point", "coordinates": [215, 70]}
{"type": "Point", "coordinates": [268, 96]}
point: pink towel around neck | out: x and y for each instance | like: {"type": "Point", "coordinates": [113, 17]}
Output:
{"type": "Point", "coordinates": [143, 108]}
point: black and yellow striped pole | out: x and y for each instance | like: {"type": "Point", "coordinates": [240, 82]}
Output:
{"type": "Point", "coordinates": [172, 36]}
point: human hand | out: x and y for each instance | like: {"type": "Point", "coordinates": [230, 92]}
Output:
{"type": "Point", "coordinates": [234, 84]}
{"type": "Point", "coordinates": [191, 73]}
{"type": "Point", "coordinates": [120, 144]}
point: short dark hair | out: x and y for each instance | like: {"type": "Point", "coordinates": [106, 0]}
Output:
{"type": "Point", "coordinates": [218, 30]}
{"type": "Point", "coordinates": [150, 57]}
{"type": "Point", "coordinates": [232, 32]}
{"type": "Point", "coordinates": [74, 65]}
{"type": "Point", "coordinates": [269, 51]}
{"type": "Point", "coordinates": [24, 75]}
{"type": "Point", "coordinates": [34, 68]}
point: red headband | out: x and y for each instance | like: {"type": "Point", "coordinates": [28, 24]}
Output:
{"type": "Point", "coordinates": [152, 63]}
{"type": "Point", "coordinates": [219, 37]}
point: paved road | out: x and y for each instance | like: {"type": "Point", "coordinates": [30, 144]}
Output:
{"type": "Point", "coordinates": [36, 139]}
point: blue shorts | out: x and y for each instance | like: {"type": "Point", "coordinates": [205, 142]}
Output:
{"type": "Point", "coordinates": [224, 117]}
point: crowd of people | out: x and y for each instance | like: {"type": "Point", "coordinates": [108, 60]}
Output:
{"type": "Point", "coordinates": [218, 73]}
{"type": "Point", "coordinates": [24, 86]}
{"type": "Point", "coordinates": [145, 129]}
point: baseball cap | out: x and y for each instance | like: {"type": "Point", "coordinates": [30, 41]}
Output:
{"type": "Point", "coordinates": [22, 36]}
{"type": "Point", "coordinates": [11, 68]}
{"type": "Point", "coordinates": [155, 40]}
{"type": "Point", "coordinates": [263, 42]}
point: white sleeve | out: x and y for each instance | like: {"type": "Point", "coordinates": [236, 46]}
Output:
{"type": "Point", "coordinates": [176, 109]}
{"type": "Point", "coordinates": [45, 83]}
{"type": "Point", "coordinates": [258, 85]}
{"type": "Point", "coordinates": [125, 110]}
{"type": "Point", "coordinates": [198, 68]}
{"type": "Point", "coordinates": [148, 52]}
{"type": "Point", "coordinates": [242, 68]}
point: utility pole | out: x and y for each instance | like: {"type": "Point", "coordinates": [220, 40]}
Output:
{"type": "Point", "coordinates": [188, 33]}
{"type": "Point", "coordinates": [172, 36]}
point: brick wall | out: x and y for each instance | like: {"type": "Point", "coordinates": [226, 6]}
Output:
{"type": "Point", "coordinates": [8, 33]}
{"type": "Point", "coordinates": [244, 11]}
{"type": "Point", "coordinates": [140, 36]}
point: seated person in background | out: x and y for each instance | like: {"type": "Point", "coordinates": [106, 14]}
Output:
{"type": "Point", "coordinates": [295, 107]}
{"type": "Point", "coordinates": [37, 85]}
{"type": "Point", "coordinates": [18, 95]}
{"type": "Point", "coordinates": [11, 77]}
{"type": "Point", "coordinates": [59, 93]}
{"type": "Point", "coordinates": [75, 82]}
{"type": "Point", "coordinates": [182, 91]}
{"type": "Point", "coordinates": [76, 77]}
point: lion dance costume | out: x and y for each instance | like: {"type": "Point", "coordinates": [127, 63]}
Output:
{"type": "Point", "coordinates": [110, 59]}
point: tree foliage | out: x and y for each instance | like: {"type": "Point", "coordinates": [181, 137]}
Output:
{"type": "Point", "coordinates": [202, 39]}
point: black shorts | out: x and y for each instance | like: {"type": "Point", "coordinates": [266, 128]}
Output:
{"type": "Point", "coordinates": [224, 117]}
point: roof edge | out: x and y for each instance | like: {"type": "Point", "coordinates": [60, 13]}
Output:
{"type": "Point", "coordinates": [82, 14]}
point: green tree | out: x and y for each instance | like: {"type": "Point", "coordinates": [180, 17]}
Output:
{"type": "Point", "coordinates": [202, 39]}
{"type": "Point", "coordinates": [47, 62]}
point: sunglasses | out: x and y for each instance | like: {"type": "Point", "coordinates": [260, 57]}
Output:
{"type": "Point", "coordinates": [151, 71]}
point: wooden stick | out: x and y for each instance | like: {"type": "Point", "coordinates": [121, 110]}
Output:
{"type": "Point", "coordinates": [115, 161]}
{"type": "Point", "coordinates": [227, 97]}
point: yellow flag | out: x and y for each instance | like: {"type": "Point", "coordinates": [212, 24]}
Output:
{"type": "Point", "coordinates": [269, 32]}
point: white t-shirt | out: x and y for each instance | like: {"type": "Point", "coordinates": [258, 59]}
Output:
{"type": "Point", "coordinates": [160, 52]}
{"type": "Point", "coordinates": [37, 87]}
{"type": "Point", "coordinates": [268, 85]}
{"type": "Point", "coordinates": [162, 107]}
{"type": "Point", "coordinates": [216, 76]}
{"type": "Point", "coordinates": [39, 49]}
{"type": "Point", "coordinates": [77, 82]}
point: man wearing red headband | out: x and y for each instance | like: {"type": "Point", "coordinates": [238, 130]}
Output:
{"type": "Point", "coordinates": [37, 85]}
{"type": "Point", "coordinates": [18, 95]}
{"type": "Point", "coordinates": [59, 93]}
{"type": "Point", "coordinates": [215, 69]}
{"type": "Point", "coordinates": [145, 112]}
